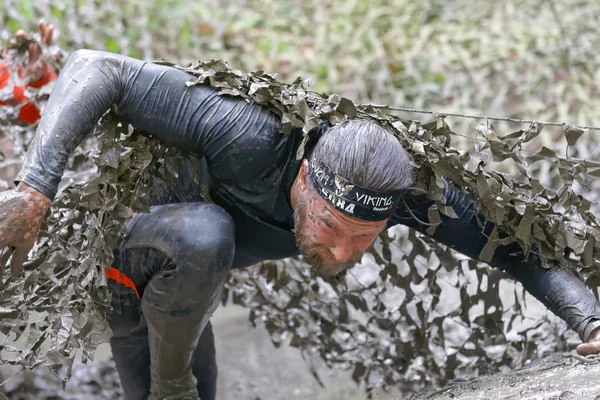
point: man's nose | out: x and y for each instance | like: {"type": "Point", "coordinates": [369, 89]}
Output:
{"type": "Point", "coordinates": [341, 250]}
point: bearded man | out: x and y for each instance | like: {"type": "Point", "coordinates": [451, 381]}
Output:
{"type": "Point", "coordinates": [169, 271]}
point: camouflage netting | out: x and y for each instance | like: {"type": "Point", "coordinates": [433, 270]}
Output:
{"type": "Point", "coordinates": [393, 327]}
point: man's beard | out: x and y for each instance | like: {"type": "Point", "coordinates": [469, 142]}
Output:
{"type": "Point", "coordinates": [319, 257]}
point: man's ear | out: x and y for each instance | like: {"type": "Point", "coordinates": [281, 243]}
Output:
{"type": "Point", "coordinates": [303, 175]}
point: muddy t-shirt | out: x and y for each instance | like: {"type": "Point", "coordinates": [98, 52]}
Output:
{"type": "Point", "coordinates": [247, 164]}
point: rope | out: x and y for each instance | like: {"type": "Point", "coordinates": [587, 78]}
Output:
{"type": "Point", "coordinates": [519, 121]}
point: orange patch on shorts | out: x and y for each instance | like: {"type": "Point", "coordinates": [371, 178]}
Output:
{"type": "Point", "coordinates": [115, 275]}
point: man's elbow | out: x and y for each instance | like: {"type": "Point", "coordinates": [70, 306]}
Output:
{"type": "Point", "coordinates": [86, 57]}
{"type": "Point", "coordinates": [101, 61]}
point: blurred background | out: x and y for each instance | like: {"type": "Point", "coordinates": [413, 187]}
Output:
{"type": "Point", "coordinates": [521, 59]}
{"type": "Point", "coordinates": [518, 58]}
{"type": "Point", "coordinates": [524, 59]}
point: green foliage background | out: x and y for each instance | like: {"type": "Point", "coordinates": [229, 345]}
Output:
{"type": "Point", "coordinates": [523, 59]}
{"type": "Point", "coordinates": [517, 58]}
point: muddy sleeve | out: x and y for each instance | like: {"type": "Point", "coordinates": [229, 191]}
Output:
{"type": "Point", "coordinates": [154, 99]}
{"type": "Point", "coordinates": [558, 289]}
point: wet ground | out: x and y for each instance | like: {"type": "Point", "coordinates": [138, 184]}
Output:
{"type": "Point", "coordinates": [251, 368]}
{"type": "Point", "coordinates": [557, 377]}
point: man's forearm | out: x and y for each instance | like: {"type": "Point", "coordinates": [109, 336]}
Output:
{"type": "Point", "coordinates": [76, 104]}
{"type": "Point", "coordinates": [152, 97]}
{"type": "Point", "coordinates": [561, 292]}
{"type": "Point", "coordinates": [558, 289]}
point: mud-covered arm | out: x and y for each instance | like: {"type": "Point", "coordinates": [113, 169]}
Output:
{"type": "Point", "coordinates": [154, 99]}
{"type": "Point", "coordinates": [558, 289]}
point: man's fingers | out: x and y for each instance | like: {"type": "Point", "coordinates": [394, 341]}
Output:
{"type": "Point", "coordinates": [33, 53]}
{"type": "Point", "coordinates": [587, 349]}
{"type": "Point", "coordinates": [42, 27]}
{"type": "Point", "coordinates": [21, 35]}
{"type": "Point", "coordinates": [47, 38]}
{"type": "Point", "coordinates": [19, 257]}
{"type": "Point", "coordinates": [46, 32]}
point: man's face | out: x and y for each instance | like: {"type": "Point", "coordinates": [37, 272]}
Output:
{"type": "Point", "coordinates": [329, 240]}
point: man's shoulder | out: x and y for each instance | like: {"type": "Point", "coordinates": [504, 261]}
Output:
{"type": "Point", "coordinates": [254, 152]}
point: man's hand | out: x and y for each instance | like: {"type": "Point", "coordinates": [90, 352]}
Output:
{"type": "Point", "coordinates": [592, 346]}
{"type": "Point", "coordinates": [36, 66]}
{"type": "Point", "coordinates": [21, 214]}
{"type": "Point", "coordinates": [28, 62]}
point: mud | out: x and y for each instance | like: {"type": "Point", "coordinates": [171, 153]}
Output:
{"type": "Point", "coordinates": [251, 368]}
{"type": "Point", "coordinates": [559, 376]}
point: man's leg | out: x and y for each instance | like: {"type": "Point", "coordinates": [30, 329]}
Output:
{"type": "Point", "coordinates": [131, 351]}
{"type": "Point", "coordinates": [205, 365]}
{"type": "Point", "coordinates": [129, 342]}
{"type": "Point", "coordinates": [177, 257]}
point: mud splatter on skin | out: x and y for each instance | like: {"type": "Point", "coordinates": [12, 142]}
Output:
{"type": "Point", "coordinates": [22, 210]}
{"type": "Point", "coordinates": [319, 256]}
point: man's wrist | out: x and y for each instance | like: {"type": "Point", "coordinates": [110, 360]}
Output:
{"type": "Point", "coordinates": [39, 196]}
{"type": "Point", "coordinates": [592, 331]}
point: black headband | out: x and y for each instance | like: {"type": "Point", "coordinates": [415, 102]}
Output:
{"type": "Point", "coordinates": [353, 200]}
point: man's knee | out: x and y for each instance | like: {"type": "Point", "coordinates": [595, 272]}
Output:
{"type": "Point", "coordinates": [197, 237]}
{"type": "Point", "coordinates": [208, 235]}
{"type": "Point", "coordinates": [197, 241]}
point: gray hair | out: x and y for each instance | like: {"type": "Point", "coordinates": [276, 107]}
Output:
{"type": "Point", "coordinates": [366, 154]}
